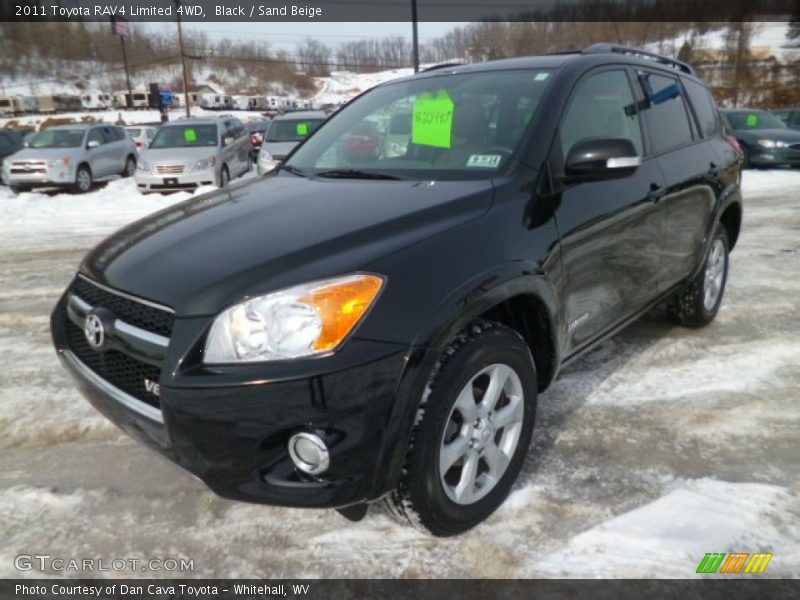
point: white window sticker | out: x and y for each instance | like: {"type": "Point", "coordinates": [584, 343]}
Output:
{"type": "Point", "coordinates": [541, 76]}
{"type": "Point", "coordinates": [485, 161]}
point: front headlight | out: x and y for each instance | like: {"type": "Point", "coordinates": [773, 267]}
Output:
{"type": "Point", "coordinates": [766, 143]}
{"type": "Point", "coordinates": [206, 163]}
{"type": "Point", "coordinates": [304, 320]}
{"type": "Point", "coordinates": [59, 162]}
{"type": "Point", "coordinates": [143, 165]}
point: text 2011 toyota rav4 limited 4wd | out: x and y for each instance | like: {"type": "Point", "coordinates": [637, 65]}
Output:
{"type": "Point", "coordinates": [374, 320]}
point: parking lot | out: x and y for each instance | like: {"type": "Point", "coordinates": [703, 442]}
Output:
{"type": "Point", "coordinates": [657, 447]}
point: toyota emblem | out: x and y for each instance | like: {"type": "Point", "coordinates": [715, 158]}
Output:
{"type": "Point", "coordinates": [94, 331]}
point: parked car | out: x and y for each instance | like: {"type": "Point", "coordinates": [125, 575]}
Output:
{"type": "Point", "coordinates": [789, 116]}
{"type": "Point", "coordinates": [190, 153]}
{"type": "Point", "coordinates": [141, 136]}
{"type": "Point", "coordinates": [338, 334]}
{"type": "Point", "coordinates": [11, 141]}
{"type": "Point", "coordinates": [284, 133]}
{"type": "Point", "coordinates": [765, 140]}
{"type": "Point", "coordinates": [72, 156]}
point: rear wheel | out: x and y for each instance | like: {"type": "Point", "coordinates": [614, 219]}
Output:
{"type": "Point", "coordinates": [19, 189]}
{"type": "Point", "coordinates": [471, 434]}
{"type": "Point", "coordinates": [83, 179]}
{"type": "Point", "coordinates": [130, 166]}
{"type": "Point", "coordinates": [698, 303]}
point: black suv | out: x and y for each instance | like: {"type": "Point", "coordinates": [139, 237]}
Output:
{"type": "Point", "coordinates": [348, 330]}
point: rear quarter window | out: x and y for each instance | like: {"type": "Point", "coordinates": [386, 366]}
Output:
{"type": "Point", "coordinates": [666, 112]}
{"type": "Point", "coordinates": [704, 107]}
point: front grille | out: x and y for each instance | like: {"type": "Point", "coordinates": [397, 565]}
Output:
{"type": "Point", "coordinates": [120, 370]}
{"type": "Point", "coordinates": [134, 313]}
{"type": "Point", "coordinates": [32, 166]}
{"type": "Point", "coordinates": [170, 169]}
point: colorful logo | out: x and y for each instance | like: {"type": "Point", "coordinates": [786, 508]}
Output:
{"type": "Point", "coordinates": [734, 563]}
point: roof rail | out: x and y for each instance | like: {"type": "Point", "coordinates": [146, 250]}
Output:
{"type": "Point", "coordinates": [444, 65]}
{"type": "Point", "coordinates": [664, 60]}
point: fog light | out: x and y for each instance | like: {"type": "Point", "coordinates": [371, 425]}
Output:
{"type": "Point", "coordinates": [309, 453]}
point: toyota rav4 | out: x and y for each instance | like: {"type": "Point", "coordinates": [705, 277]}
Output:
{"type": "Point", "coordinates": [356, 328]}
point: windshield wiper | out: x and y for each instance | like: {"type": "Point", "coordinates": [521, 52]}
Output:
{"type": "Point", "coordinates": [356, 174]}
{"type": "Point", "coordinates": [292, 170]}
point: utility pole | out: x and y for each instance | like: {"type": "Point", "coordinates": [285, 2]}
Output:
{"type": "Point", "coordinates": [183, 58]}
{"type": "Point", "coordinates": [415, 36]}
{"type": "Point", "coordinates": [121, 27]}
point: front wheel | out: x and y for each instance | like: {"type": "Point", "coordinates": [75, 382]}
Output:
{"type": "Point", "coordinates": [83, 180]}
{"type": "Point", "coordinates": [697, 304]}
{"type": "Point", "coordinates": [471, 432]}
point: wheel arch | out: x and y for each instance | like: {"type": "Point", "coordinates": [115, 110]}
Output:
{"type": "Point", "coordinates": [731, 219]}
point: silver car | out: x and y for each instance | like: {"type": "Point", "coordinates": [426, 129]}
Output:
{"type": "Point", "coordinates": [71, 156]}
{"type": "Point", "coordinates": [283, 134]}
{"type": "Point", "coordinates": [141, 135]}
{"type": "Point", "coordinates": [190, 153]}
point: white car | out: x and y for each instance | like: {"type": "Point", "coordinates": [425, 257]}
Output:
{"type": "Point", "coordinates": [141, 136]}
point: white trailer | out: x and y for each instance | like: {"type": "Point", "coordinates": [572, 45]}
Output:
{"type": "Point", "coordinates": [96, 100]}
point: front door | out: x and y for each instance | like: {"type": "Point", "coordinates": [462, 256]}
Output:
{"type": "Point", "coordinates": [611, 230]}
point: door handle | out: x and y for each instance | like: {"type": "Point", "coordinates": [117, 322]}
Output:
{"type": "Point", "coordinates": [656, 192]}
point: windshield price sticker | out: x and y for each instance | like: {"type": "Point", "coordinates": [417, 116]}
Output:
{"type": "Point", "coordinates": [302, 129]}
{"type": "Point", "coordinates": [190, 135]}
{"type": "Point", "coordinates": [752, 120]}
{"type": "Point", "coordinates": [432, 123]}
{"type": "Point", "coordinates": [485, 161]}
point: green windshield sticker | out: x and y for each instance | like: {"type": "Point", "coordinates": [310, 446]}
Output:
{"type": "Point", "coordinates": [190, 135]}
{"type": "Point", "coordinates": [432, 123]}
{"type": "Point", "coordinates": [752, 120]}
{"type": "Point", "coordinates": [302, 129]}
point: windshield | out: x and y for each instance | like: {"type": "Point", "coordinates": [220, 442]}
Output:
{"type": "Point", "coordinates": [447, 126]}
{"type": "Point", "coordinates": [755, 119]}
{"type": "Point", "coordinates": [185, 136]}
{"type": "Point", "coordinates": [292, 130]}
{"type": "Point", "coordinates": [58, 138]}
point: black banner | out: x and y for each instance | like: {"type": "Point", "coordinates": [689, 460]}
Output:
{"type": "Point", "coordinates": [399, 10]}
{"type": "Point", "coordinates": [715, 588]}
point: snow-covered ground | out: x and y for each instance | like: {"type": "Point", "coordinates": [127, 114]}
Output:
{"type": "Point", "coordinates": [659, 446]}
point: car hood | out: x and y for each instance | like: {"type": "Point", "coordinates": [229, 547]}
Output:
{"type": "Point", "coordinates": [45, 153]}
{"type": "Point", "coordinates": [278, 150]}
{"type": "Point", "coordinates": [177, 155]}
{"type": "Point", "coordinates": [776, 135]}
{"type": "Point", "coordinates": [204, 254]}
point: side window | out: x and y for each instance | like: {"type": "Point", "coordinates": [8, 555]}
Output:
{"type": "Point", "coordinates": [795, 119]}
{"type": "Point", "coordinates": [703, 105]}
{"type": "Point", "coordinates": [601, 106]}
{"type": "Point", "coordinates": [96, 135]}
{"type": "Point", "coordinates": [666, 112]}
{"type": "Point", "coordinates": [108, 135]}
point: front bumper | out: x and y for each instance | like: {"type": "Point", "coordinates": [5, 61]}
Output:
{"type": "Point", "coordinates": [148, 181]}
{"type": "Point", "coordinates": [767, 157]}
{"type": "Point", "coordinates": [230, 427]}
{"type": "Point", "coordinates": [51, 177]}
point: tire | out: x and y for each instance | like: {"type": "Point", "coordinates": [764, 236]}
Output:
{"type": "Point", "coordinates": [83, 180]}
{"type": "Point", "coordinates": [19, 189]}
{"type": "Point", "coordinates": [130, 166]}
{"type": "Point", "coordinates": [697, 304]}
{"type": "Point", "coordinates": [453, 428]}
{"type": "Point", "coordinates": [224, 177]}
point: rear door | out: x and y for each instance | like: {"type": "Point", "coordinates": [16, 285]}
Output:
{"type": "Point", "coordinates": [98, 161]}
{"type": "Point", "coordinates": [611, 230]}
{"type": "Point", "coordinates": [691, 165]}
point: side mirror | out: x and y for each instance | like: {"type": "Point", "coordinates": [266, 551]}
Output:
{"type": "Point", "coordinates": [601, 158]}
{"type": "Point", "coordinates": [93, 144]}
{"type": "Point", "coordinates": [228, 141]}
